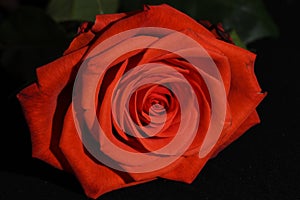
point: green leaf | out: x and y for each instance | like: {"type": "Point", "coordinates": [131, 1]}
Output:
{"type": "Point", "coordinates": [80, 10]}
{"type": "Point", "coordinates": [248, 18]}
{"type": "Point", "coordinates": [29, 38]}
{"type": "Point", "coordinates": [236, 39]}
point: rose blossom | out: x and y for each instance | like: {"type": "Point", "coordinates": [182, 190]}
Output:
{"type": "Point", "coordinates": [138, 96]}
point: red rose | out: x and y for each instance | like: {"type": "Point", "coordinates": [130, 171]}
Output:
{"type": "Point", "coordinates": [138, 96]}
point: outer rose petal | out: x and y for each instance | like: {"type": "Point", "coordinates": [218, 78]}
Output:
{"type": "Point", "coordinates": [43, 107]}
{"type": "Point", "coordinates": [103, 21]}
{"type": "Point", "coordinates": [184, 170]}
{"type": "Point", "coordinates": [155, 16]}
{"type": "Point", "coordinates": [95, 178]}
{"type": "Point", "coordinates": [80, 41]}
{"type": "Point", "coordinates": [87, 33]}
{"type": "Point", "coordinates": [252, 120]}
{"type": "Point", "coordinates": [245, 93]}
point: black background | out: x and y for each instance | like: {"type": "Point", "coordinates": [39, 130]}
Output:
{"type": "Point", "coordinates": [262, 164]}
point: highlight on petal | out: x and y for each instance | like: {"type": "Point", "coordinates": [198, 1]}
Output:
{"type": "Point", "coordinates": [91, 75]}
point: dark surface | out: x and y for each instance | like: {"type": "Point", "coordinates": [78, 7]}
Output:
{"type": "Point", "coordinates": [262, 164]}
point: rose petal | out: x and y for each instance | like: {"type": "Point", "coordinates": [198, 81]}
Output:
{"type": "Point", "coordinates": [104, 20]}
{"type": "Point", "coordinates": [44, 104]}
{"type": "Point", "coordinates": [245, 93]}
{"type": "Point", "coordinates": [252, 120]}
{"type": "Point", "coordinates": [185, 169]}
{"type": "Point", "coordinates": [154, 16]}
{"type": "Point", "coordinates": [207, 54]}
{"type": "Point", "coordinates": [80, 41]}
{"type": "Point", "coordinates": [95, 178]}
